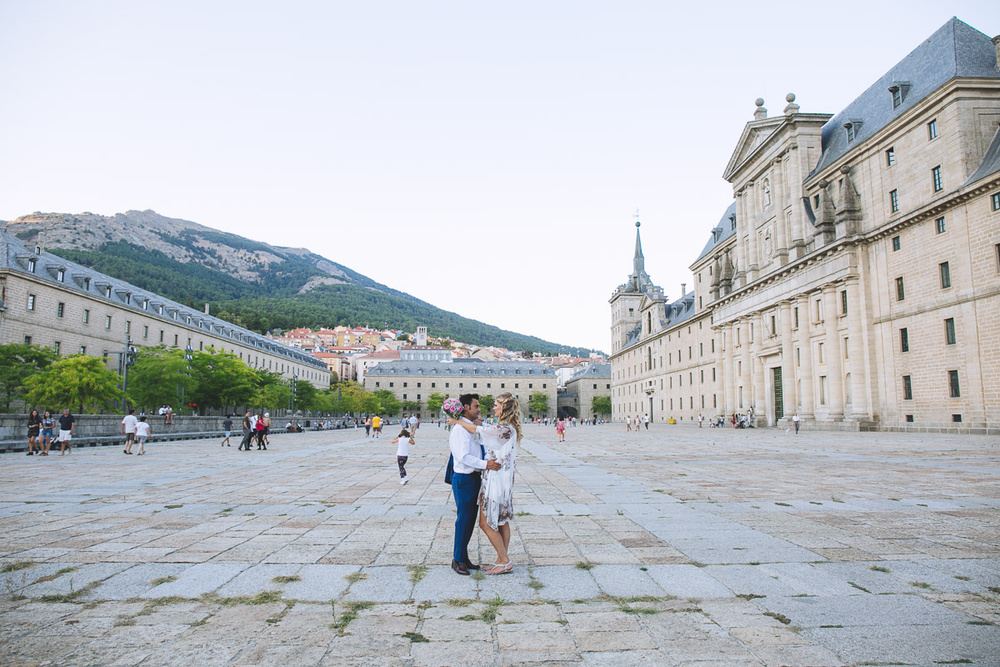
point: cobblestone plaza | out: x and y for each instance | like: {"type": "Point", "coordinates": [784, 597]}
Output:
{"type": "Point", "coordinates": [672, 546]}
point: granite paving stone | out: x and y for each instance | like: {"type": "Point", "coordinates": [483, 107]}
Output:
{"type": "Point", "coordinates": [686, 547]}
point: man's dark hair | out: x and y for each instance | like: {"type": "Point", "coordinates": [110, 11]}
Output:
{"type": "Point", "coordinates": [466, 399]}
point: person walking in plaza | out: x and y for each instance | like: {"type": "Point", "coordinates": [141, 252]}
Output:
{"type": "Point", "coordinates": [34, 428]}
{"type": "Point", "coordinates": [128, 429]}
{"type": "Point", "coordinates": [403, 442]}
{"type": "Point", "coordinates": [628, 423]}
{"type": "Point", "coordinates": [368, 426]}
{"type": "Point", "coordinates": [635, 422]}
{"type": "Point", "coordinates": [227, 426]}
{"type": "Point", "coordinates": [561, 429]}
{"type": "Point", "coordinates": [376, 426]}
{"type": "Point", "coordinates": [795, 420]}
{"type": "Point", "coordinates": [496, 507]}
{"type": "Point", "coordinates": [48, 426]}
{"type": "Point", "coordinates": [142, 433]}
{"type": "Point", "coordinates": [267, 429]}
{"type": "Point", "coordinates": [468, 462]}
{"type": "Point", "coordinates": [66, 424]}
{"type": "Point", "coordinates": [701, 418]}
{"type": "Point", "coordinates": [259, 429]}
{"type": "Point", "coordinates": [645, 420]}
{"type": "Point", "coordinates": [247, 432]}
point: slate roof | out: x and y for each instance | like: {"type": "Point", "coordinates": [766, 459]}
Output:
{"type": "Point", "coordinates": [955, 50]}
{"type": "Point", "coordinates": [673, 314]}
{"type": "Point", "coordinates": [991, 161]}
{"type": "Point", "coordinates": [457, 368]}
{"type": "Point", "coordinates": [15, 256]}
{"type": "Point", "coordinates": [592, 371]}
{"type": "Point", "coordinates": [721, 231]}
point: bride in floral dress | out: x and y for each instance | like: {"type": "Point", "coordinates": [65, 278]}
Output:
{"type": "Point", "coordinates": [495, 496]}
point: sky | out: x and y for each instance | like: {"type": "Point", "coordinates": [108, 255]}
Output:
{"type": "Point", "coordinates": [488, 158]}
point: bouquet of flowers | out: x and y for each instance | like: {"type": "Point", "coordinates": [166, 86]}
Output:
{"type": "Point", "coordinates": [452, 407]}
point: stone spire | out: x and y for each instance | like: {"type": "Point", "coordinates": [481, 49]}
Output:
{"type": "Point", "coordinates": [849, 208]}
{"type": "Point", "coordinates": [639, 281]}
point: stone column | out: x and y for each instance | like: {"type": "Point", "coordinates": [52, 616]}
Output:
{"type": "Point", "coordinates": [751, 215]}
{"type": "Point", "coordinates": [739, 278]}
{"type": "Point", "coordinates": [719, 386]}
{"type": "Point", "coordinates": [760, 400]}
{"type": "Point", "coordinates": [747, 378]}
{"type": "Point", "coordinates": [834, 353]}
{"type": "Point", "coordinates": [789, 395]}
{"type": "Point", "coordinates": [806, 401]}
{"type": "Point", "coordinates": [778, 204]}
{"type": "Point", "coordinates": [861, 408]}
{"type": "Point", "coordinates": [799, 222]}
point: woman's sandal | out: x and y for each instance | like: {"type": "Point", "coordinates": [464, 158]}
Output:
{"type": "Point", "coordinates": [501, 568]}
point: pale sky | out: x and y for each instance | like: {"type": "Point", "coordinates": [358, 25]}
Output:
{"type": "Point", "coordinates": [485, 157]}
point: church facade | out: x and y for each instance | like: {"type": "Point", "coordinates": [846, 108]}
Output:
{"type": "Point", "coordinates": [855, 279]}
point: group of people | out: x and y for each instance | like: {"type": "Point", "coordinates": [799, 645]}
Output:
{"type": "Point", "coordinates": [632, 423]}
{"type": "Point", "coordinates": [167, 413]}
{"type": "Point", "coordinates": [135, 429]}
{"type": "Point", "coordinates": [255, 427]}
{"type": "Point", "coordinates": [41, 429]}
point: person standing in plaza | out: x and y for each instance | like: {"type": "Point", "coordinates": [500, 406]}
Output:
{"type": "Point", "coordinates": [267, 429]}
{"type": "Point", "coordinates": [259, 428]}
{"type": "Point", "coordinates": [66, 424]}
{"type": "Point", "coordinates": [376, 426]}
{"type": "Point", "coordinates": [48, 426]}
{"type": "Point", "coordinates": [795, 420]}
{"type": "Point", "coordinates": [128, 429]}
{"type": "Point", "coordinates": [469, 462]}
{"type": "Point", "coordinates": [645, 420]}
{"type": "Point", "coordinates": [403, 442]}
{"type": "Point", "coordinates": [142, 432]}
{"type": "Point", "coordinates": [496, 507]}
{"type": "Point", "coordinates": [368, 426]}
{"type": "Point", "coordinates": [561, 429]}
{"type": "Point", "coordinates": [247, 432]}
{"type": "Point", "coordinates": [34, 428]}
{"type": "Point", "coordinates": [227, 426]}
{"type": "Point", "coordinates": [628, 423]}
{"type": "Point", "coordinates": [701, 418]}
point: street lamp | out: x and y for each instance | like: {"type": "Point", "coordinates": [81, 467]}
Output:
{"type": "Point", "coordinates": [295, 388]}
{"type": "Point", "coordinates": [129, 361]}
{"type": "Point", "coordinates": [188, 356]}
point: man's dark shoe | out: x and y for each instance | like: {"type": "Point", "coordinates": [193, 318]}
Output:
{"type": "Point", "coordinates": [460, 568]}
{"type": "Point", "coordinates": [471, 566]}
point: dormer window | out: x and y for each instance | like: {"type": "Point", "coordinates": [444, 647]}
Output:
{"type": "Point", "coordinates": [107, 291]}
{"type": "Point", "coordinates": [61, 275]}
{"type": "Point", "coordinates": [853, 127]}
{"type": "Point", "coordinates": [86, 284]}
{"type": "Point", "coordinates": [899, 90]}
{"type": "Point", "coordinates": [32, 265]}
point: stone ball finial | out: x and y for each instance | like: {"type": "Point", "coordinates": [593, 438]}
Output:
{"type": "Point", "coordinates": [637, 223]}
{"type": "Point", "coordinates": [759, 101]}
{"type": "Point", "coordinates": [790, 97]}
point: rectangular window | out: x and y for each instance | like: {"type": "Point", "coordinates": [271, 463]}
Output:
{"type": "Point", "coordinates": [61, 275]}
{"type": "Point", "coordinates": [995, 201]}
{"type": "Point", "coordinates": [60, 309]}
{"type": "Point", "coordinates": [890, 156]}
{"type": "Point", "coordinates": [83, 349]}
{"type": "Point", "coordinates": [939, 225]}
{"type": "Point", "coordinates": [909, 419]}
{"type": "Point", "coordinates": [932, 131]}
{"type": "Point", "coordinates": [145, 331]}
{"type": "Point", "coordinates": [945, 275]}
{"type": "Point", "coordinates": [796, 314]}
{"type": "Point", "coordinates": [27, 340]}
{"type": "Point", "coordinates": [86, 315]}
{"type": "Point", "coordinates": [956, 418]}
{"type": "Point", "coordinates": [897, 96]}
{"type": "Point", "coordinates": [894, 201]}
{"type": "Point", "coordinates": [107, 321]}
{"type": "Point", "coordinates": [949, 331]}
{"type": "Point", "coordinates": [904, 340]}
{"type": "Point", "coordinates": [822, 390]}
{"type": "Point", "coordinates": [128, 327]}
{"type": "Point", "coordinates": [953, 388]}
{"type": "Point", "coordinates": [900, 294]}
{"type": "Point", "coordinates": [843, 302]}
{"type": "Point", "coordinates": [819, 353]}
{"type": "Point", "coordinates": [896, 245]}
{"type": "Point", "coordinates": [32, 263]}
{"type": "Point", "coordinates": [161, 335]}
{"type": "Point", "coordinates": [907, 388]}
{"type": "Point", "coordinates": [57, 346]}
{"type": "Point", "coordinates": [936, 179]}
{"type": "Point", "coordinates": [31, 302]}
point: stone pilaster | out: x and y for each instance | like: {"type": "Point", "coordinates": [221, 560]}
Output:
{"type": "Point", "coordinates": [805, 374]}
{"type": "Point", "coordinates": [834, 354]}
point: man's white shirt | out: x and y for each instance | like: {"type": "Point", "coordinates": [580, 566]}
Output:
{"type": "Point", "coordinates": [465, 450]}
{"type": "Point", "coordinates": [130, 421]}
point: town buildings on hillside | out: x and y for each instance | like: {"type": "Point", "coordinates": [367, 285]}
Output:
{"type": "Point", "coordinates": [855, 279]}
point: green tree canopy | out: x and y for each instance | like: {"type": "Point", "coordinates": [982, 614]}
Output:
{"type": "Point", "coordinates": [224, 380]}
{"type": "Point", "coordinates": [388, 403]}
{"type": "Point", "coordinates": [78, 382]}
{"type": "Point", "coordinates": [410, 407]}
{"type": "Point", "coordinates": [538, 403]}
{"type": "Point", "coordinates": [601, 405]}
{"type": "Point", "coordinates": [486, 402]}
{"type": "Point", "coordinates": [158, 376]}
{"type": "Point", "coordinates": [434, 402]}
{"type": "Point", "coordinates": [306, 396]}
{"type": "Point", "coordinates": [17, 363]}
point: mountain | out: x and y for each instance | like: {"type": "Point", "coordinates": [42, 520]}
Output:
{"type": "Point", "coordinates": [252, 284]}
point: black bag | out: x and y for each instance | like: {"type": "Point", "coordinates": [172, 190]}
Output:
{"type": "Point", "coordinates": [450, 470]}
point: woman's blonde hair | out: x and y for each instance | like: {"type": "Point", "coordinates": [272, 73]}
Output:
{"type": "Point", "coordinates": [510, 412]}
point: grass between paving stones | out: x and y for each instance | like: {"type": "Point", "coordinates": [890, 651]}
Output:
{"type": "Point", "coordinates": [415, 637]}
{"type": "Point", "coordinates": [18, 565]}
{"type": "Point", "coordinates": [355, 577]}
{"type": "Point", "coordinates": [879, 568]}
{"type": "Point", "coordinates": [286, 579]}
{"type": "Point", "coordinates": [281, 614]}
{"type": "Point", "coordinates": [264, 597]}
{"type": "Point", "coordinates": [172, 507]}
{"type": "Point", "coordinates": [750, 596]}
{"type": "Point", "coordinates": [859, 587]}
{"type": "Point", "coordinates": [459, 602]}
{"type": "Point", "coordinates": [781, 618]}
{"type": "Point", "coordinates": [488, 615]}
{"type": "Point", "coordinates": [417, 572]}
{"type": "Point", "coordinates": [65, 570]}
{"type": "Point", "coordinates": [584, 565]}
{"type": "Point", "coordinates": [162, 580]}
{"type": "Point", "coordinates": [350, 613]}
{"type": "Point", "coordinates": [71, 596]}
{"type": "Point", "coordinates": [921, 584]}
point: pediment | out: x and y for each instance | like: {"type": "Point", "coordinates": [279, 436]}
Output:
{"type": "Point", "coordinates": [755, 134]}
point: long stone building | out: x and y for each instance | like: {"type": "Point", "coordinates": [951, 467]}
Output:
{"type": "Point", "coordinates": [855, 279]}
{"type": "Point", "coordinates": [49, 301]}
{"type": "Point", "coordinates": [415, 381]}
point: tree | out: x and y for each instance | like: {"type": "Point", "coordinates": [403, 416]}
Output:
{"type": "Point", "coordinates": [486, 403]}
{"type": "Point", "coordinates": [306, 396]}
{"type": "Point", "coordinates": [601, 405]}
{"type": "Point", "coordinates": [538, 403]}
{"type": "Point", "coordinates": [528, 354]}
{"type": "Point", "coordinates": [387, 401]}
{"type": "Point", "coordinates": [434, 402]}
{"type": "Point", "coordinates": [17, 363]}
{"type": "Point", "coordinates": [403, 337]}
{"type": "Point", "coordinates": [79, 381]}
{"type": "Point", "coordinates": [224, 380]}
{"type": "Point", "coordinates": [411, 407]}
{"type": "Point", "coordinates": [158, 376]}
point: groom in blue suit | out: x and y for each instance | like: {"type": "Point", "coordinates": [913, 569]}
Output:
{"type": "Point", "coordinates": [465, 482]}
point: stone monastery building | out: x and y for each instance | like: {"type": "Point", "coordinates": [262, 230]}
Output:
{"type": "Point", "coordinates": [856, 277]}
